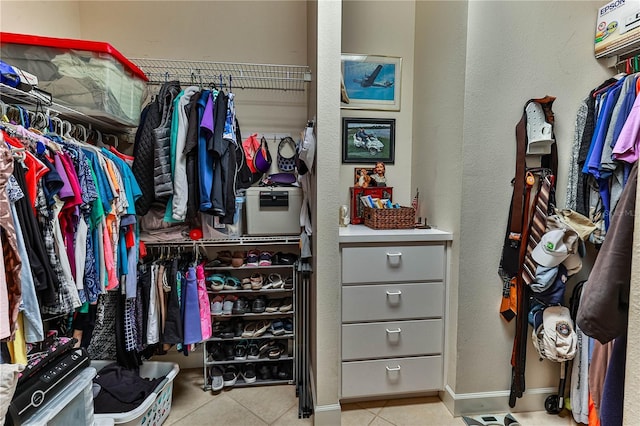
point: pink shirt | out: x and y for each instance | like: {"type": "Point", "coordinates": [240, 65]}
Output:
{"type": "Point", "coordinates": [626, 147]}
{"type": "Point", "coordinates": [203, 301]}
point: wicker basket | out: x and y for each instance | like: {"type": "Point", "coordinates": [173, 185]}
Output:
{"type": "Point", "coordinates": [402, 218]}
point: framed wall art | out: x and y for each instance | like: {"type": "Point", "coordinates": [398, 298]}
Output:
{"type": "Point", "coordinates": [368, 140]}
{"type": "Point", "coordinates": [370, 82]}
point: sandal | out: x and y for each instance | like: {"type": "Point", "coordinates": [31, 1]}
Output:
{"type": "Point", "coordinates": [261, 327]}
{"type": "Point", "coordinates": [256, 281]}
{"type": "Point", "coordinates": [264, 259]}
{"type": "Point", "coordinates": [273, 306]}
{"type": "Point", "coordinates": [249, 329]}
{"type": "Point", "coordinates": [253, 258]}
{"type": "Point", "coordinates": [246, 283]}
{"type": "Point", "coordinates": [217, 281]}
{"type": "Point", "coordinates": [275, 351]}
{"type": "Point", "coordinates": [275, 281]}
{"type": "Point", "coordinates": [232, 283]}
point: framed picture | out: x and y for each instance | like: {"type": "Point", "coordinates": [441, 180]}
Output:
{"type": "Point", "coordinates": [368, 140]}
{"type": "Point", "coordinates": [371, 82]}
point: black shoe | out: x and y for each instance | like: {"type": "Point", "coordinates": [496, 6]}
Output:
{"type": "Point", "coordinates": [215, 352]}
{"type": "Point", "coordinates": [240, 351]}
{"type": "Point", "coordinates": [284, 371]}
{"type": "Point", "coordinates": [229, 351]}
{"type": "Point", "coordinates": [264, 372]}
{"type": "Point", "coordinates": [230, 376]}
{"type": "Point", "coordinates": [249, 373]}
{"type": "Point", "coordinates": [240, 306]}
{"type": "Point", "coordinates": [253, 351]}
{"type": "Point", "coordinates": [259, 305]}
{"type": "Point", "coordinates": [238, 327]}
{"type": "Point", "coordinates": [226, 332]}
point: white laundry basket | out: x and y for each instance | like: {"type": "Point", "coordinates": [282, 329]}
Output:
{"type": "Point", "coordinates": [155, 409]}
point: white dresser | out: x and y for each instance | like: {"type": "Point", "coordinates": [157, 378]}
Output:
{"type": "Point", "coordinates": [393, 310]}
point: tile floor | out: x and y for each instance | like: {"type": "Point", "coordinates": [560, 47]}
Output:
{"type": "Point", "coordinates": [278, 406]}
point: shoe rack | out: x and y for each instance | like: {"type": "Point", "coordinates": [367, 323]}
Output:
{"type": "Point", "coordinates": [253, 297]}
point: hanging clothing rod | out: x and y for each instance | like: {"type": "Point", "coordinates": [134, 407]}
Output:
{"type": "Point", "coordinates": [226, 74]}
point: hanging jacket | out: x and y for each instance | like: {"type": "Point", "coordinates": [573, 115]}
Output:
{"type": "Point", "coordinates": [162, 178]}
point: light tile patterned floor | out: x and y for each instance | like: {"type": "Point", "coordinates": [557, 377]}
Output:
{"type": "Point", "coordinates": [278, 406]}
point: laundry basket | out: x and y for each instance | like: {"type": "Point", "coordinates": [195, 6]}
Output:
{"type": "Point", "coordinates": [155, 409]}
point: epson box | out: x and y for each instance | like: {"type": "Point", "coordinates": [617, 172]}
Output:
{"type": "Point", "coordinates": [273, 210]}
{"type": "Point", "coordinates": [617, 28]}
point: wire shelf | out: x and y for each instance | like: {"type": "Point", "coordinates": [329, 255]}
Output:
{"type": "Point", "coordinates": [229, 75]}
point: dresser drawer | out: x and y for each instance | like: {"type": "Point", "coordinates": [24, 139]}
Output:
{"type": "Point", "coordinates": [391, 339]}
{"type": "Point", "coordinates": [393, 263]}
{"type": "Point", "coordinates": [392, 301]}
{"type": "Point", "coordinates": [391, 376]}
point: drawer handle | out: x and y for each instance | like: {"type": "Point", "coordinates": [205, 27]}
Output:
{"type": "Point", "coordinates": [397, 330]}
{"type": "Point", "coordinates": [394, 254]}
{"type": "Point", "coordinates": [393, 293]}
{"type": "Point", "coordinates": [392, 369]}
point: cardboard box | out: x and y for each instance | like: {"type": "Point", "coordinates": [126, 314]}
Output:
{"type": "Point", "coordinates": [273, 210]}
{"type": "Point", "coordinates": [617, 28]}
{"type": "Point", "coordinates": [375, 192]}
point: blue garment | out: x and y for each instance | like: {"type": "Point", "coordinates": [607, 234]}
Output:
{"type": "Point", "coordinates": [104, 189]}
{"type": "Point", "coordinates": [191, 318]}
{"type": "Point", "coordinates": [611, 405]}
{"type": "Point", "coordinates": [592, 165]}
{"type": "Point", "coordinates": [625, 109]}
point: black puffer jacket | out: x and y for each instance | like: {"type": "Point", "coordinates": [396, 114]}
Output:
{"type": "Point", "coordinates": [144, 151]}
{"type": "Point", "coordinates": [162, 179]}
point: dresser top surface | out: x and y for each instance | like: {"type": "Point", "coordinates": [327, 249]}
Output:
{"type": "Point", "coordinates": [364, 234]}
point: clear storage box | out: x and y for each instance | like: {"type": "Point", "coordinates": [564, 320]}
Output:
{"type": "Point", "coordinates": [155, 409]}
{"type": "Point", "coordinates": [90, 77]}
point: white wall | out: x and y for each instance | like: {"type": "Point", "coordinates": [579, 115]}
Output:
{"type": "Point", "coordinates": [514, 51]}
{"type": "Point", "coordinates": [44, 18]}
{"type": "Point", "coordinates": [384, 28]}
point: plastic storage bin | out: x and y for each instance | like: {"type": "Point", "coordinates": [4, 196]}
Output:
{"type": "Point", "coordinates": [273, 210]}
{"type": "Point", "coordinates": [72, 405]}
{"type": "Point", "coordinates": [90, 77]}
{"type": "Point", "coordinates": [155, 409]}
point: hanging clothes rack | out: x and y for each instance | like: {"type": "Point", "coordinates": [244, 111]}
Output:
{"type": "Point", "coordinates": [226, 74]}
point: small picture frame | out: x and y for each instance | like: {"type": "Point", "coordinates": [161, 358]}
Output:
{"type": "Point", "coordinates": [362, 177]}
{"type": "Point", "coordinates": [370, 82]}
{"type": "Point", "coordinates": [368, 140]}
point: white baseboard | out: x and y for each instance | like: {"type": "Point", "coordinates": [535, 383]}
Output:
{"type": "Point", "coordinates": [474, 403]}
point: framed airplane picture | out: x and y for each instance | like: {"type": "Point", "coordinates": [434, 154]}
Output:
{"type": "Point", "coordinates": [370, 82]}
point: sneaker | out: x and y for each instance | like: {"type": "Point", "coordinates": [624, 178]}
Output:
{"type": "Point", "coordinates": [253, 258]}
{"type": "Point", "coordinates": [240, 306]}
{"type": "Point", "coordinates": [264, 259]}
{"type": "Point", "coordinates": [216, 378]}
{"type": "Point", "coordinates": [253, 351]}
{"type": "Point", "coordinates": [259, 305]}
{"type": "Point", "coordinates": [288, 326]}
{"type": "Point", "coordinates": [238, 327]}
{"type": "Point", "coordinates": [256, 281]}
{"type": "Point", "coordinates": [230, 376]}
{"type": "Point", "coordinates": [226, 332]}
{"type": "Point", "coordinates": [216, 281]}
{"type": "Point", "coordinates": [216, 305]}
{"type": "Point", "coordinates": [277, 327]}
{"type": "Point", "coordinates": [264, 372]}
{"type": "Point", "coordinates": [249, 373]}
{"type": "Point", "coordinates": [227, 306]}
{"type": "Point", "coordinates": [229, 351]}
{"type": "Point", "coordinates": [284, 371]}
{"type": "Point", "coordinates": [240, 351]}
{"type": "Point", "coordinates": [246, 283]}
{"type": "Point", "coordinates": [288, 283]}
{"type": "Point", "coordinates": [215, 352]}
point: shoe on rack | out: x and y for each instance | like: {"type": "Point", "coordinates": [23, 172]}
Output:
{"type": "Point", "coordinates": [256, 281]}
{"type": "Point", "coordinates": [238, 327]}
{"type": "Point", "coordinates": [253, 351]}
{"type": "Point", "coordinates": [240, 306]}
{"type": "Point", "coordinates": [284, 258]}
{"type": "Point", "coordinates": [226, 332]}
{"type": "Point", "coordinates": [284, 371]}
{"type": "Point", "coordinates": [216, 305]}
{"type": "Point", "coordinates": [246, 283]}
{"type": "Point", "coordinates": [227, 305]}
{"type": "Point", "coordinates": [229, 351]}
{"type": "Point", "coordinates": [264, 372]}
{"type": "Point", "coordinates": [230, 376]}
{"type": "Point", "coordinates": [287, 305]}
{"type": "Point", "coordinates": [237, 259]}
{"type": "Point", "coordinates": [261, 327]}
{"type": "Point", "coordinates": [288, 283]}
{"type": "Point", "coordinates": [273, 305]}
{"type": "Point", "coordinates": [275, 351]}
{"type": "Point", "coordinates": [232, 283]}
{"type": "Point", "coordinates": [215, 378]}
{"type": "Point", "coordinates": [274, 281]}
{"type": "Point", "coordinates": [259, 305]}
{"type": "Point", "coordinates": [215, 352]}
{"type": "Point", "coordinates": [249, 373]}
{"type": "Point", "coordinates": [288, 325]}
{"type": "Point", "coordinates": [216, 281]}
{"type": "Point", "coordinates": [240, 351]}
{"type": "Point", "coordinates": [277, 327]}
{"type": "Point", "coordinates": [253, 258]}
{"type": "Point", "coordinates": [264, 259]}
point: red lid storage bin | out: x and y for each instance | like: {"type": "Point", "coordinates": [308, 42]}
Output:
{"type": "Point", "coordinates": [88, 76]}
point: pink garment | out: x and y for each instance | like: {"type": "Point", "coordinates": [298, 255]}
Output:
{"type": "Point", "coordinates": [112, 277]}
{"type": "Point", "coordinates": [5, 329]}
{"type": "Point", "coordinates": [626, 147]}
{"type": "Point", "coordinates": [203, 301]}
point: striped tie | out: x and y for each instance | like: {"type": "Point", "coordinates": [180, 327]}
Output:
{"type": "Point", "coordinates": [538, 228]}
